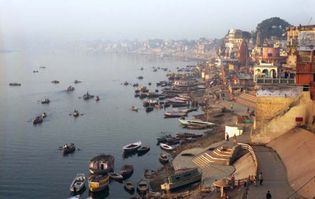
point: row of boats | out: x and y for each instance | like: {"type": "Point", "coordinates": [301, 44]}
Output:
{"type": "Point", "coordinates": [101, 169]}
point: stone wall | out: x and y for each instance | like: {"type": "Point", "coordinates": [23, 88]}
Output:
{"type": "Point", "coordinates": [276, 116]}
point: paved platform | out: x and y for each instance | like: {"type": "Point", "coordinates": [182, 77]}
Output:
{"type": "Point", "coordinates": [274, 175]}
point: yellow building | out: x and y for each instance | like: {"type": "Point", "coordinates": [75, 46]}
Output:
{"type": "Point", "coordinates": [292, 42]}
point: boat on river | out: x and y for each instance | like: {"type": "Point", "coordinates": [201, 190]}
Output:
{"type": "Point", "coordinates": [195, 122]}
{"type": "Point", "coordinates": [101, 164]}
{"type": "Point", "coordinates": [167, 147]}
{"type": "Point", "coordinates": [143, 150]}
{"type": "Point", "coordinates": [143, 186]}
{"type": "Point", "coordinates": [45, 101]}
{"type": "Point", "coordinates": [164, 158]}
{"type": "Point", "coordinates": [98, 182]}
{"type": "Point", "coordinates": [78, 183]}
{"type": "Point", "coordinates": [182, 177]}
{"type": "Point", "coordinates": [70, 88]}
{"type": "Point", "coordinates": [172, 114]}
{"type": "Point", "coordinates": [68, 148]}
{"type": "Point", "coordinates": [115, 176]}
{"type": "Point", "coordinates": [132, 147]}
{"type": "Point", "coordinates": [38, 120]}
{"type": "Point", "coordinates": [15, 84]}
{"type": "Point", "coordinates": [87, 96]}
{"type": "Point", "coordinates": [129, 187]}
{"type": "Point", "coordinates": [126, 171]}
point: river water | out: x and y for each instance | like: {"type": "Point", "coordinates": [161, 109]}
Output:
{"type": "Point", "coordinates": [31, 166]}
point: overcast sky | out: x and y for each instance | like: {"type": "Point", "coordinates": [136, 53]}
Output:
{"type": "Point", "coordinates": [142, 19]}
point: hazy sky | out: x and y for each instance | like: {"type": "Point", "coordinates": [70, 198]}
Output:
{"type": "Point", "coordinates": [142, 19]}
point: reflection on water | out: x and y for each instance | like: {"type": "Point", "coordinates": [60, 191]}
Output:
{"type": "Point", "coordinates": [31, 164]}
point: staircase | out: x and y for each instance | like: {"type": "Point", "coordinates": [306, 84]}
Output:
{"type": "Point", "coordinates": [221, 156]}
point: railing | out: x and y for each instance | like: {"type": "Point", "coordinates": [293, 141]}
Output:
{"type": "Point", "coordinates": [269, 80]}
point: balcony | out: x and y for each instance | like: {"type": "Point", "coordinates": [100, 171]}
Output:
{"type": "Point", "coordinates": [270, 81]}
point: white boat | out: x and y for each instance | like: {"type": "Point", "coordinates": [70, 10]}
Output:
{"type": "Point", "coordinates": [167, 147]}
{"type": "Point", "coordinates": [196, 122]}
{"type": "Point", "coordinates": [175, 114]}
{"type": "Point", "coordinates": [78, 183]}
{"type": "Point", "coordinates": [132, 147]}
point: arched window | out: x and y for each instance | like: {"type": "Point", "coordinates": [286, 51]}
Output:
{"type": "Point", "coordinates": [265, 73]}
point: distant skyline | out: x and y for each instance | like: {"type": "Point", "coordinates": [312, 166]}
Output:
{"type": "Point", "coordinates": [142, 19]}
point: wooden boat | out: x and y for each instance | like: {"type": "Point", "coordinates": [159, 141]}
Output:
{"type": "Point", "coordinates": [98, 182]}
{"type": "Point", "coordinates": [135, 109]}
{"type": "Point", "coordinates": [77, 81]}
{"type": "Point", "coordinates": [87, 96]}
{"type": "Point", "coordinates": [45, 101]}
{"type": "Point", "coordinates": [163, 138]}
{"type": "Point", "coordinates": [70, 88]}
{"type": "Point", "coordinates": [182, 177]}
{"type": "Point", "coordinates": [143, 149]}
{"type": "Point", "coordinates": [76, 113]}
{"type": "Point", "coordinates": [196, 126]}
{"type": "Point", "coordinates": [15, 84]}
{"type": "Point", "coordinates": [166, 147]}
{"type": "Point", "coordinates": [187, 135]}
{"type": "Point", "coordinates": [78, 183]}
{"type": "Point", "coordinates": [149, 109]}
{"type": "Point", "coordinates": [194, 122]}
{"type": "Point", "coordinates": [55, 82]}
{"type": "Point", "coordinates": [126, 171]}
{"type": "Point", "coordinates": [143, 186]}
{"type": "Point", "coordinates": [131, 147]}
{"type": "Point", "coordinates": [164, 158]}
{"type": "Point", "coordinates": [115, 176]}
{"type": "Point", "coordinates": [97, 98]}
{"type": "Point", "coordinates": [44, 115]}
{"type": "Point", "coordinates": [172, 114]}
{"type": "Point", "coordinates": [129, 187]}
{"type": "Point", "coordinates": [140, 77]}
{"type": "Point", "coordinates": [101, 164]}
{"type": "Point", "coordinates": [148, 173]}
{"type": "Point", "coordinates": [68, 148]}
{"type": "Point", "coordinates": [38, 120]}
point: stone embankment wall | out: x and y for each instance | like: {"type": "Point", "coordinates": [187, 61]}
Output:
{"type": "Point", "coordinates": [297, 151]}
{"type": "Point", "coordinates": [275, 115]}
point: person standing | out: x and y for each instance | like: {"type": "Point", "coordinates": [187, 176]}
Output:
{"type": "Point", "coordinates": [268, 195]}
{"type": "Point", "coordinates": [260, 178]}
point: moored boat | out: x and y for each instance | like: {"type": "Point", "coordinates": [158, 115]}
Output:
{"type": "Point", "coordinates": [143, 186]}
{"type": "Point", "coordinates": [78, 183]}
{"type": "Point", "coordinates": [115, 176]}
{"type": "Point", "coordinates": [101, 164]}
{"type": "Point", "coordinates": [98, 182]}
{"type": "Point", "coordinates": [77, 81]}
{"type": "Point", "coordinates": [143, 149]}
{"type": "Point", "coordinates": [148, 173]}
{"type": "Point", "coordinates": [182, 177]}
{"type": "Point", "coordinates": [70, 88]}
{"type": "Point", "coordinates": [132, 147]}
{"type": "Point", "coordinates": [126, 171]}
{"type": "Point", "coordinates": [129, 187]}
{"type": "Point", "coordinates": [149, 109]}
{"type": "Point", "coordinates": [164, 158]}
{"type": "Point", "coordinates": [166, 147]}
{"type": "Point", "coordinates": [193, 122]}
{"type": "Point", "coordinates": [68, 148]}
{"type": "Point", "coordinates": [172, 114]}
